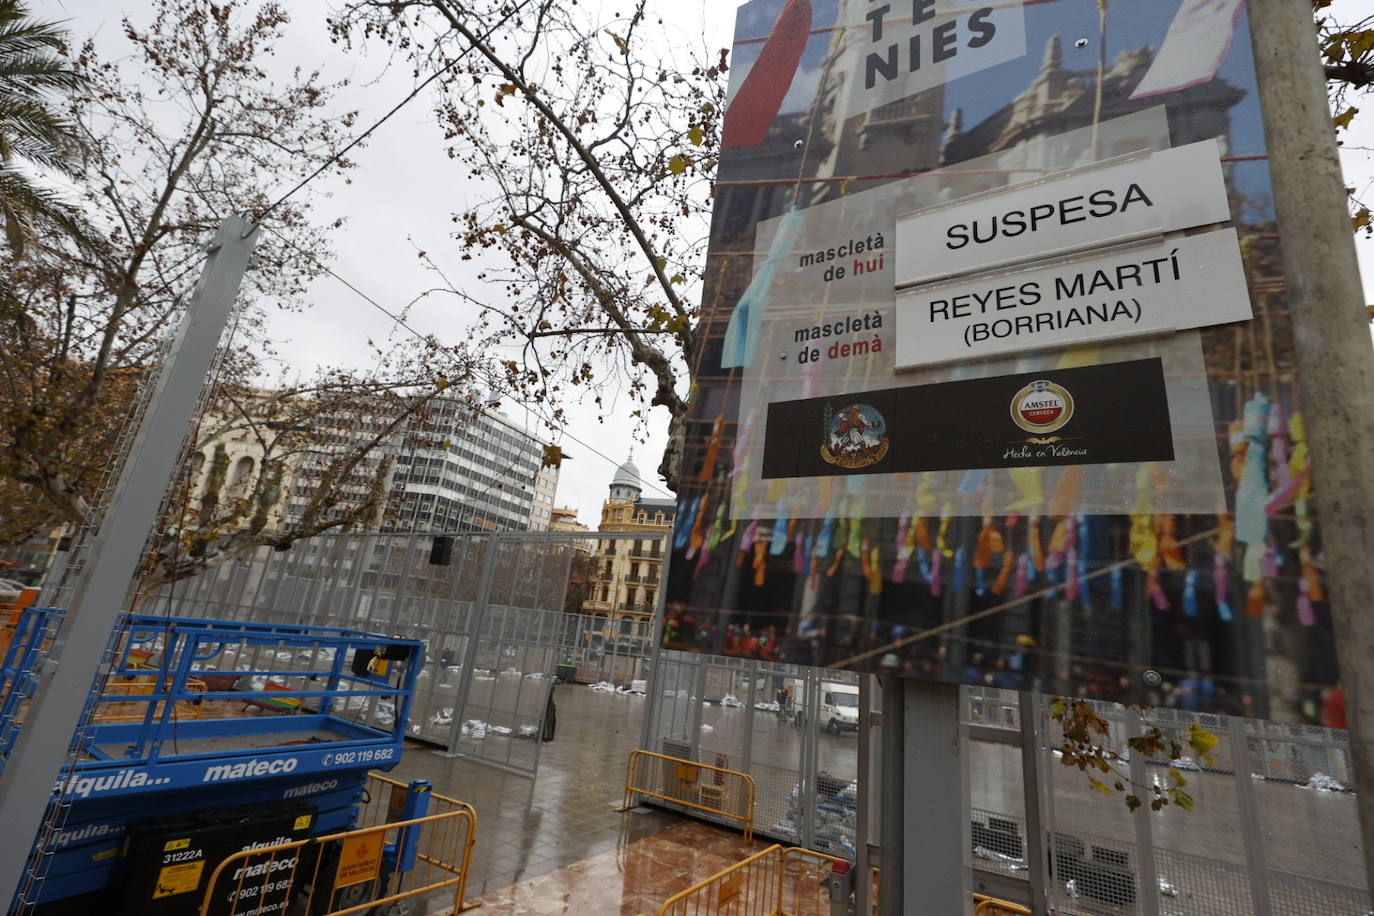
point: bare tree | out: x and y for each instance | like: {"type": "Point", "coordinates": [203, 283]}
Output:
{"type": "Point", "coordinates": [599, 153]}
{"type": "Point", "coordinates": [181, 131]}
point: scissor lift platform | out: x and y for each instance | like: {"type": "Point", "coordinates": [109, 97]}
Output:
{"type": "Point", "coordinates": [171, 731]}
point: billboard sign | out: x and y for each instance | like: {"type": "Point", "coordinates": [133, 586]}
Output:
{"type": "Point", "coordinates": [996, 383]}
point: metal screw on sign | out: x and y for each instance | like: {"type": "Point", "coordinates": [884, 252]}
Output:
{"type": "Point", "coordinates": [1153, 678]}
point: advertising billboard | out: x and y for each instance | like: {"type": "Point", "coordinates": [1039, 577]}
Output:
{"type": "Point", "coordinates": [997, 384]}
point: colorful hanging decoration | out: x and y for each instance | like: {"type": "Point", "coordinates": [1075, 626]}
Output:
{"type": "Point", "coordinates": [1022, 580]}
{"type": "Point", "coordinates": [708, 465]}
{"type": "Point", "coordinates": [1008, 563]}
{"type": "Point", "coordinates": [1254, 600]}
{"type": "Point", "coordinates": [684, 529]}
{"type": "Point", "coordinates": [1307, 615]}
{"type": "Point", "coordinates": [1279, 471]}
{"type": "Point", "coordinates": [697, 538]}
{"type": "Point", "coordinates": [759, 98]}
{"type": "Point", "coordinates": [1037, 551]}
{"type": "Point", "coordinates": [873, 569]}
{"type": "Point", "coordinates": [906, 546]}
{"type": "Point", "coordinates": [1190, 608]}
{"type": "Point", "coordinates": [779, 541]}
{"type": "Point", "coordinates": [1221, 585]}
{"type": "Point", "coordinates": [1030, 491]}
{"type": "Point", "coordinates": [960, 579]}
{"type": "Point", "coordinates": [1252, 489]}
{"type": "Point", "coordinates": [1311, 574]}
{"type": "Point", "coordinates": [1300, 466]}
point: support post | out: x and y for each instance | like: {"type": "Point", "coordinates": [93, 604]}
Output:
{"type": "Point", "coordinates": [926, 851]}
{"type": "Point", "coordinates": [476, 618]}
{"type": "Point", "coordinates": [1028, 712]}
{"type": "Point", "coordinates": [1331, 341]}
{"type": "Point", "coordinates": [863, 867]}
{"type": "Point", "coordinates": [102, 589]}
{"type": "Point", "coordinates": [936, 842]}
{"type": "Point", "coordinates": [1251, 831]}
{"type": "Point", "coordinates": [1147, 895]}
{"type": "Point", "coordinates": [892, 861]}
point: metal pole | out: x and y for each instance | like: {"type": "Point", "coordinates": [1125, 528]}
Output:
{"type": "Point", "coordinates": [1028, 710]}
{"type": "Point", "coordinates": [892, 857]}
{"type": "Point", "coordinates": [863, 884]}
{"type": "Point", "coordinates": [747, 762]}
{"type": "Point", "coordinates": [101, 592]}
{"type": "Point", "coordinates": [807, 781]}
{"type": "Point", "coordinates": [936, 842]}
{"type": "Point", "coordinates": [1251, 831]}
{"type": "Point", "coordinates": [1331, 343]}
{"type": "Point", "coordinates": [476, 617]}
{"type": "Point", "coordinates": [653, 681]}
{"type": "Point", "coordinates": [1148, 896]}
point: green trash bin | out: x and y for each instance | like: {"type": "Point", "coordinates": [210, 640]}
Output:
{"type": "Point", "coordinates": [566, 674]}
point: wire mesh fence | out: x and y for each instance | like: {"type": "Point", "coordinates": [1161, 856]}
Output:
{"type": "Point", "coordinates": [1275, 829]}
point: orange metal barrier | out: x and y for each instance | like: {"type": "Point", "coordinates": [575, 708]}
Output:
{"type": "Point", "coordinates": [988, 906]}
{"type": "Point", "coordinates": [786, 882]}
{"type": "Point", "coordinates": [748, 888]}
{"type": "Point", "coordinates": [357, 870]}
{"type": "Point", "coordinates": [9, 617]}
{"type": "Point", "coordinates": [727, 793]}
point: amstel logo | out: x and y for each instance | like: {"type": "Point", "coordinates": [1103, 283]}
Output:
{"type": "Point", "coordinates": [1042, 407]}
{"type": "Point", "coordinates": [855, 436]}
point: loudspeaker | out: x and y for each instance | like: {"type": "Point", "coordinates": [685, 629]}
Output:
{"type": "Point", "coordinates": [441, 551]}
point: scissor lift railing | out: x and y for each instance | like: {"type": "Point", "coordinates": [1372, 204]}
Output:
{"type": "Point", "coordinates": [27, 634]}
{"type": "Point", "coordinates": [169, 732]}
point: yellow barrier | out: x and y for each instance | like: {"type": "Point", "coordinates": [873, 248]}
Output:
{"type": "Point", "coordinates": [350, 871]}
{"type": "Point", "coordinates": [727, 793]}
{"type": "Point", "coordinates": [988, 906]}
{"type": "Point", "coordinates": [748, 888]}
{"type": "Point", "coordinates": [786, 882]}
{"type": "Point", "coordinates": [802, 893]}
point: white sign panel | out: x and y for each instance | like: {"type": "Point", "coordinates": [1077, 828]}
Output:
{"type": "Point", "coordinates": [1188, 282]}
{"type": "Point", "coordinates": [895, 50]}
{"type": "Point", "coordinates": [1149, 195]}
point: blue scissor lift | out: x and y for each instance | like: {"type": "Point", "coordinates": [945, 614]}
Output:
{"type": "Point", "coordinates": [200, 714]}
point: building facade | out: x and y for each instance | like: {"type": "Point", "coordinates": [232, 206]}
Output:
{"type": "Point", "coordinates": [626, 570]}
{"type": "Point", "coordinates": [464, 470]}
{"type": "Point", "coordinates": [452, 468]}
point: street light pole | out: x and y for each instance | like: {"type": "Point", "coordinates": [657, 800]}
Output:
{"type": "Point", "coordinates": [1332, 344]}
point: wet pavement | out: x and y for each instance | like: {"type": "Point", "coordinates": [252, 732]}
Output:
{"type": "Point", "coordinates": [629, 880]}
{"type": "Point", "coordinates": [555, 843]}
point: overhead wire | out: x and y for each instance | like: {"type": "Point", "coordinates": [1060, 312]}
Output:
{"type": "Point", "coordinates": [424, 338]}
{"type": "Point", "coordinates": [410, 96]}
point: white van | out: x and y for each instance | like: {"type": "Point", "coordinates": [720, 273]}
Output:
{"type": "Point", "coordinates": [839, 708]}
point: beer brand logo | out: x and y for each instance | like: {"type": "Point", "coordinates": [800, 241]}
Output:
{"type": "Point", "coordinates": [1042, 407]}
{"type": "Point", "coordinates": [855, 436]}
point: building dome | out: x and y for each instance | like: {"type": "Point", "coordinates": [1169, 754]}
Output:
{"type": "Point", "coordinates": [626, 483]}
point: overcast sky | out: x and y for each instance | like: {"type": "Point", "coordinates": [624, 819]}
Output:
{"type": "Point", "coordinates": [402, 195]}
